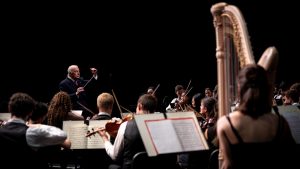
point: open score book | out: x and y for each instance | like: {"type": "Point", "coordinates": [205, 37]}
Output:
{"type": "Point", "coordinates": [77, 131]}
{"type": "Point", "coordinates": [179, 132]}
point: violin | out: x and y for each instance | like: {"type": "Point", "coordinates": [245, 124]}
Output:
{"type": "Point", "coordinates": [198, 114]}
{"type": "Point", "coordinates": [208, 122]}
{"type": "Point", "coordinates": [2, 122]}
{"type": "Point", "coordinates": [112, 126]}
{"type": "Point", "coordinates": [181, 103]}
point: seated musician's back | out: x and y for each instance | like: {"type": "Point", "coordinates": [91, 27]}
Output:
{"type": "Point", "coordinates": [252, 136]}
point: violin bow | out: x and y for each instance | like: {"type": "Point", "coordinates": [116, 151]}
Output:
{"type": "Point", "coordinates": [155, 89]}
{"type": "Point", "coordinates": [125, 109]}
{"type": "Point", "coordinates": [188, 84]}
{"type": "Point", "coordinates": [87, 109]}
{"type": "Point", "coordinates": [188, 91]}
{"type": "Point", "coordinates": [121, 113]}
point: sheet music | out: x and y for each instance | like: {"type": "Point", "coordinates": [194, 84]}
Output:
{"type": "Point", "coordinates": [174, 135]}
{"type": "Point", "coordinates": [5, 116]}
{"type": "Point", "coordinates": [96, 141]}
{"type": "Point", "coordinates": [163, 136]}
{"type": "Point", "coordinates": [180, 132]}
{"type": "Point", "coordinates": [77, 131]}
{"type": "Point", "coordinates": [188, 135]}
{"type": "Point", "coordinates": [77, 112]}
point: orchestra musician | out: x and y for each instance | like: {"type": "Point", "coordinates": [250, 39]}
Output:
{"type": "Point", "coordinates": [128, 140]}
{"type": "Point", "coordinates": [51, 141]}
{"type": "Point", "coordinates": [253, 128]}
{"type": "Point", "coordinates": [196, 101]}
{"type": "Point", "coordinates": [207, 109]}
{"type": "Point", "coordinates": [150, 90]}
{"type": "Point", "coordinates": [105, 103]}
{"type": "Point", "coordinates": [179, 89]}
{"type": "Point", "coordinates": [18, 139]}
{"type": "Point", "coordinates": [207, 119]}
{"type": "Point", "coordinates": [60, 109]}
{"type": "Point", "coordinates": [183, 103]}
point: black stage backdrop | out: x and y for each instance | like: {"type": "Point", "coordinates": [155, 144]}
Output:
{"type": "Point", "coordinates": [134, 45]}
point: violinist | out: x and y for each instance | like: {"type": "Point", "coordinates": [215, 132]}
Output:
{"type": "Point", "coordinates": [183, 104]}
{"type": "Point", "coordinates": [105, 103]}
{"type": "Point", "coordinates": [207, 119]}
{"type": "Point", "coordinates": [195, 107]}
{"type": "Point", "coordinates": [179, 89]}
{"type": "Point", "coordinates": [128, 140]}
{"type": "Point", "coordinates": [150, 90]}
{"type": "Point", "coordinates": [196, 101]}
{"type": "Point", "coordinates": [207, 109]}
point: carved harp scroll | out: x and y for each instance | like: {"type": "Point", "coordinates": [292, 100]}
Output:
{"type": "Point", "coordinates": [233, 51]}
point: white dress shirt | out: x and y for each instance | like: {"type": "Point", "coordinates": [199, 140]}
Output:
{"type": "Point", "coordinates": [114, 151]}
{"type": "Point", "coordinates": [40, 135]}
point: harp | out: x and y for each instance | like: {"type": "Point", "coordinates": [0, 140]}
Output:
{"type": "Point", "coordinates": [233, 52]}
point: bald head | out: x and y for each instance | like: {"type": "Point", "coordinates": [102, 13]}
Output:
{"type": "Point", "coordinates": [73, 71]}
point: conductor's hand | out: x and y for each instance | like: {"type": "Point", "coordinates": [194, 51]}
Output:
{"type": "Point", "coordinates": [94, 71]}
{"type": "Point", "coordinates": [79, 90]}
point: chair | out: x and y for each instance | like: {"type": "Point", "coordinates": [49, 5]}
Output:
{"type": "Point", "coordinates": [57, 158]}
{"type": "Point", "coordinates": [213, 162]}
{"type": "Point", "coordinates": [141, 160]}
{"type": "Point", "coordinates": [138, 160]}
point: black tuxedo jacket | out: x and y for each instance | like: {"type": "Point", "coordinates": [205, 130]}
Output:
{"type": "Point", "coordinates": [70, 86]}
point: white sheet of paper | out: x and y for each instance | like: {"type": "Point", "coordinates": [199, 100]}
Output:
{"type": "Point", "coordinates": [163, 136]}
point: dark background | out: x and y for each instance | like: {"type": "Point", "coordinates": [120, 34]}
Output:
{"type": "Point", "coordinates": [133, 45]}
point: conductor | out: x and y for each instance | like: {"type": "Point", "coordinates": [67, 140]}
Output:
{"type": "Point", "coordinates": [76, 87]}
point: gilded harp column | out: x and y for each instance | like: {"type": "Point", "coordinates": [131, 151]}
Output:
{"type": "Point", "coordinates": [233, 51]}
{"type": "Point", "coordinates": [216, 11]}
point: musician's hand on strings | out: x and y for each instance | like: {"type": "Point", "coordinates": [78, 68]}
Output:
{"type": "Point", "coordinates": [94, 131]}
{"type": "Point", "coordinates": [102, 133]}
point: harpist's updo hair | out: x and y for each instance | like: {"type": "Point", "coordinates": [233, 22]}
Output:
{"type": "Point", "coordinates": [254, 91]}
